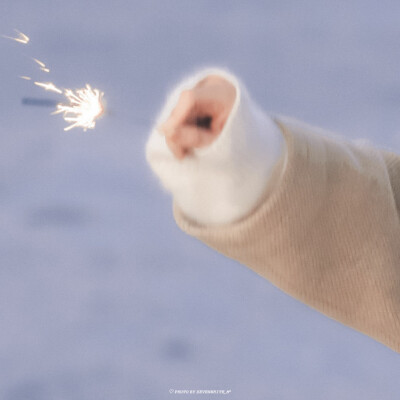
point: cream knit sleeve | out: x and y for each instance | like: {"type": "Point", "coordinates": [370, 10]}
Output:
{"type": "Point", "coordinates": [223, 182]}
{"type": "Point", "coordinates": [328, 234]}
{"type": "Point", "coordinates": [311, 212]}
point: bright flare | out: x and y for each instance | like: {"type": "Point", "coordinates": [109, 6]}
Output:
{"type": "Point", "coordinates": [21, 38]}
{"type": "Point", "coordinates": [85, 106]}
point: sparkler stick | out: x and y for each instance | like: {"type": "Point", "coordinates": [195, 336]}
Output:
{"type": "Point", "coordinates": [33, 101]}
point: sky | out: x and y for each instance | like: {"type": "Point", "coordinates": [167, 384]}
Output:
{"type": "Point", "coordinates": [101, 295]}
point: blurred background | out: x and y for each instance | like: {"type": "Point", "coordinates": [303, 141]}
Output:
{"type": "Point", "coordinates": [101, 296]}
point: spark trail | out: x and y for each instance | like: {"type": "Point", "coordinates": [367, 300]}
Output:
{"type": "Point", "coordinates": [21, 38]}
{"type": "Point", "coordinates": [49, 86]}
{"type": "Point", "coordinates": [42, 65]}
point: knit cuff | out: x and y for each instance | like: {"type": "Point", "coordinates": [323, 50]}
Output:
{"type": "Point", "coordinates": [224, 181]}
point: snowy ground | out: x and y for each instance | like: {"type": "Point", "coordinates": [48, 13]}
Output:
{"type": "Point", "coordinates": [101, 296]}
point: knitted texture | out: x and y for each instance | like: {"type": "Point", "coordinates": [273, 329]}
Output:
{"type": "Point", "coordinates": [328, 233]}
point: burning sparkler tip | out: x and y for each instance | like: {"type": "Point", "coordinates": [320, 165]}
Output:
{"type": "Point", "coordinates": [85, 105]}
{"type": "Point", "coordinates": [84, 108]}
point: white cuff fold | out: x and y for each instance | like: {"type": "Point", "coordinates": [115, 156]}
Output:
{"type": "Point", "coordinates": [223, 182]}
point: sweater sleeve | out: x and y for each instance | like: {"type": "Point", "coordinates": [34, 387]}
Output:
{"type": "Point", "coordinates": [328, 234]}
{"type": "Point", "coordinates": [392, 162]}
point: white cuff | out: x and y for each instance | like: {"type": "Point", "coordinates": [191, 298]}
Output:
{"type": "Point", "coordinates": [223, 182]}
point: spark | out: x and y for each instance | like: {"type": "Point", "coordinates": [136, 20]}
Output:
{"type": "Point", "coordinates": [21, 38]}
{"type": "Point", "coordinates": [85, 106]}
{"type": "Point", "coordinates": [27, 78]}
{"type": "Point", "coordinates": [49, 86]}
{"type": "Point", "coordinates": [41, 64]}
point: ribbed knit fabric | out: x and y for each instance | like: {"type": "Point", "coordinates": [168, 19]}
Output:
{"type": "Point", "coordinates": [328, 234]}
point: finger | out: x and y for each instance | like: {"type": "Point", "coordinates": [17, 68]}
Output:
{"type": "Point", "coordinates": [192, 136]}
{"type": "Point", "coordinates": [218, 122]}
{"type": "Point", "coordinates": [183, 109]}
{"type": "Point", "coordinates": [178, 151]}
{"type": "Point", "coordinates": [179, 114]}
{"type": "Point", "coordinates": [167, 128]}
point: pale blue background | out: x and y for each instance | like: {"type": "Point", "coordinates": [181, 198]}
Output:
{"type": "Point", "coordinates": [101, 296]}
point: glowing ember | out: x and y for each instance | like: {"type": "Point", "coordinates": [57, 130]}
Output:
{"type": "Point", "coordinates": [21, 38]}
{"type": "Point", "coordinates": [42, 65]}
{"type": "Point", "coordinates": [49, 86]}
{"type": "Point", "coordinates": [85, 106]}
{"type": "Point", "coordinates": [27, 78]}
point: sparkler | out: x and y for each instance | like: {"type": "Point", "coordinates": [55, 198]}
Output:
{"type": "Point", "coordinates": [84, 108]}
{"type": "Point", "coordinates": [84, 105]}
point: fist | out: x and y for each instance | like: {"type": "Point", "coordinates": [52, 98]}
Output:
{"type": "Point", "coordinates": [199, 116]}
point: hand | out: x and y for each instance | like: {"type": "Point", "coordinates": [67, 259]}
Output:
{"type": "Point", "coordinates": [199, 115]}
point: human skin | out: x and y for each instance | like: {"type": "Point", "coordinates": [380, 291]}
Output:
{"type": "Point", "coordinates": [199, 116]}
